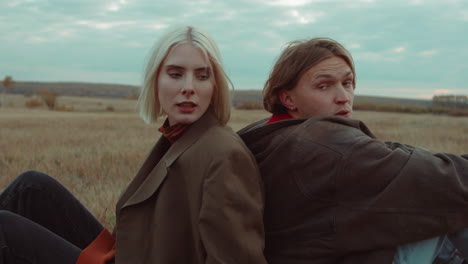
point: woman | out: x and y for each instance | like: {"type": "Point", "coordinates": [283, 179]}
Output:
{"type": "Point", "coordinates": [197, 197]}
{"type": "Point", "coordinates": [335, 193]}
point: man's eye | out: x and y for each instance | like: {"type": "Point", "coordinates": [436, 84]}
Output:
{"type": "Point", "coordinates": [348, 83]}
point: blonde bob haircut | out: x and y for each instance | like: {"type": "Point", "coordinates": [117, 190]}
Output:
{"type": "Point", "coordinates": [295, 60]}
{"type": "Point", "coordinates": [148, 102]}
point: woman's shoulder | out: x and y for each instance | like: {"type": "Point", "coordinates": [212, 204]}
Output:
{"type": "Point", "coordinates": [221, 140]}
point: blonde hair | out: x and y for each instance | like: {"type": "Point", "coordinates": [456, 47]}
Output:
{"type": "Point", "coordinates": [295, 60]}
{"type": "Point", "coordinates": [148, 102]}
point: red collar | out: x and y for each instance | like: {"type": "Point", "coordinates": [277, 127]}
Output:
{"type": "Point", "coordinates": [275, 118]}
{"type": "Point", "coordinates": [172, 133]}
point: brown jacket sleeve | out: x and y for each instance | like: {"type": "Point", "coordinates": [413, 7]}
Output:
{"type": "Point", "coordinates": [231, 215]}
{"type": "Point", "coordinates": [399, 193]}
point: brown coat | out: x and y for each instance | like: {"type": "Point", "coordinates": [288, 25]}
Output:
{"type": "Point", "coordinates": [336, 194]}
{"type": "Point", "coordinates": [197, 201]}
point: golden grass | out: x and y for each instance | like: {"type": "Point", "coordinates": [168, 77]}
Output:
{"type": "Point", "coordinates": [96, 154]}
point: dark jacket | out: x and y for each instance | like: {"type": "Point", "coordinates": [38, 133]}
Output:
{"type": "Point", "coordinates": [336, 194]}
{"type": "Point", "coordinates": [197, 201]}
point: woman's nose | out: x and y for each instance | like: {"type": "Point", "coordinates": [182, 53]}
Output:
{"type": "Point", "coordinates": [188, 87]}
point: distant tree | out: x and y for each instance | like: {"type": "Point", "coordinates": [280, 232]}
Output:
{"type": "Point", "coordinates": [7, 84]}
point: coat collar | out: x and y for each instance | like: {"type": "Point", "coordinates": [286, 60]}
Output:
{"type": "Point", "coordinates": [154, 170]}
{"type": "Point", "coordinates": [261, 128]}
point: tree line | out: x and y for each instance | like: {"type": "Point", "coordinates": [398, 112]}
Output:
{"type": "Point", "coordinates": [450, 101]}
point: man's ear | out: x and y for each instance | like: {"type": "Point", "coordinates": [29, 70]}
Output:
{"type": "Point", "coordinates": [287, 100]}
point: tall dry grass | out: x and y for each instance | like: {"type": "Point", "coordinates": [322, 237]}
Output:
{"type": "Point", "coordinates": [96, 154]}
{"type": "Point", "coordinates": [93, 155]}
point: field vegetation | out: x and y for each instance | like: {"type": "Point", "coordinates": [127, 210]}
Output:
{"type": "Point", "coordinates": [95, 151]}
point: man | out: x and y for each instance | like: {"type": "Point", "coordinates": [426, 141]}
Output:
{"type": "Point", "coordinates": [336, 194]}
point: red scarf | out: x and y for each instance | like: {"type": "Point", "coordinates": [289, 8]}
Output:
{"type": "Point", "coordinates": [172, 133]}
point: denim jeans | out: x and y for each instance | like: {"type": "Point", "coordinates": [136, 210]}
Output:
{"type": "Point", "coordinates": [42, 222]}
{"type": "Point", "coordinates": [438, 250]}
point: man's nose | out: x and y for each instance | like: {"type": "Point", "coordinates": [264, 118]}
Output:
{"type": "Point", "coordinates": [341, 96]}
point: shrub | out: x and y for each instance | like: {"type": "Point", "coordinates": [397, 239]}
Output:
{"type": "Point", "coordinates": [366, 106]}
{"type": "Point", "coordinates": [33, 103]}
{"type": "Point", "coordinates": [110, 108]}
{"type": "Point", "coordinates": [250, 105]}
{"type": "Point", "coordinates": [49, 98]}
{"type": "Point", "coordinates": [458, 112]}
{"type": "Point", "coordinates": [64, 108]}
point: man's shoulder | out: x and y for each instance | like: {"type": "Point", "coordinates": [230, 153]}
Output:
{"type": "Point", "coordinates": [261, 128]}
{"type": "Point", "coordinates": [320, 123]}
{"type": "Point", "coordinates": [337, 134]}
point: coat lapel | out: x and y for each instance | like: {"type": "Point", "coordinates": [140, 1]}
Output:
{"type": "Point", "coordinates": [147, 181]}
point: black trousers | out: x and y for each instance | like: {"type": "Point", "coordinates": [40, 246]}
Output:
{"type": "Point", "coordinates": [42, 222]}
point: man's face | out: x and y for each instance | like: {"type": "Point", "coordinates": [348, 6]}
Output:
{"type": "Point", "coordinates": [325, 89]}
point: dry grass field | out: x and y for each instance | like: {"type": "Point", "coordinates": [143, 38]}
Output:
{"type": "Point", "coordinates": [95, 153]}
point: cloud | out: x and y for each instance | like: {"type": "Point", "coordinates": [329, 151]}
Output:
{"type": "Point", "coordinates": [115, 6]}
{"type": "Point", "coordinates": [291, 3]}
{"type": "Point", "coordinates": [464, 15]}
{"type": "Point", "coordinates": [250, 34]}
{"type": "Point", "coordinates": [399, 49]}
{"type": "Point", "coordinates": [449, 91]}
{"type": "Point", "coordinates": [373, 56]}
{"type": "Point", "coordinates": [48, 73]}
{"type": "Point", "coordinates": [428, 53]}
{"type": "Point", "coordinates": [416, 2]}
{"type": "Point", "coordinates": [16, 3]}
{"type": "Point", "coordinates": [156, 26]}
{"type": "Point", "coordinates": [296, 17]}
{"type": "Point", "coordinates": [49, 33]}
{"type": "Point", "coordinates": [354, 46]}
{"type": "Point", "coordinates": [135, 44]}
{"type": "Point", "coordinates": [103, 25]}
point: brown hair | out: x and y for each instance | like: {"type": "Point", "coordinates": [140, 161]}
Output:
{"type": "Point", "coordinates": [295, 60]}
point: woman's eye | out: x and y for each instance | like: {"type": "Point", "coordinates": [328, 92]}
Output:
{"type": "Point", "coordinates": [175, 75]}
{"type": "Point", "coordinates": [322, 87]}
{"type": "Point", "coordinates": [203, 76]}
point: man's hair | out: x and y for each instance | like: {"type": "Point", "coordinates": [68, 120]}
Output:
{"type": "Point", "coordinates": [295, 60]}
{"type": "Point", "coordinates": [148, 102]}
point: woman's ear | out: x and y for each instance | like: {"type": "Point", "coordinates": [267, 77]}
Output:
{"type": "Point", "coordinates": [287, 100]}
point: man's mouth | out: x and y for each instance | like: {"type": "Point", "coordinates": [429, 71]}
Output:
{"type": "Point", "coordinates": [344, 113]}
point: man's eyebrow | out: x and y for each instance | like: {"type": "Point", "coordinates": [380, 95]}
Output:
{"type": "Point", "coordinates": [326, 75]}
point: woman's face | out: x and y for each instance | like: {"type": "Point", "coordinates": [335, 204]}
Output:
{"type": "Point", "coordinates": [325, 89]}
{"type": "Point", "coordinates": [185, 84]}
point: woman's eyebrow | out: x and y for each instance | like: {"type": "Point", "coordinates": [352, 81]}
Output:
{"type": "Point", "coordinates": [173, 66]}
{"type": "Point", "coordinates": [203, 69]}
{"type": "Point", "coordinates": [178, 67]}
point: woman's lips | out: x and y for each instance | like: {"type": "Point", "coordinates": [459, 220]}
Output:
{"type": "Point", "coordinates": [186, 107]}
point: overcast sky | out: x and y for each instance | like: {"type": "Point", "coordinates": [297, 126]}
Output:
{"type": "Point", "coordinates": [412, 48]}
